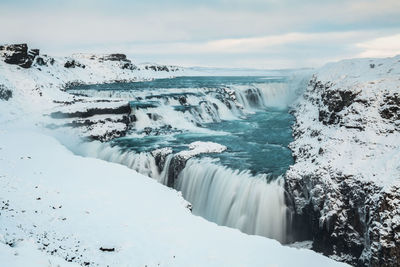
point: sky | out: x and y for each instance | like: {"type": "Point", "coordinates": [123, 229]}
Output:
{"type": "Point", "coordinates": [265, 34]}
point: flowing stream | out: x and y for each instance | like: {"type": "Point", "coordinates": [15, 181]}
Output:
{"type": "Point", "coordinates": [240, 187]}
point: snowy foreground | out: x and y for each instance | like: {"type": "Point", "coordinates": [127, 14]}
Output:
{"type": "Point", "coordinates": [59, 209]}
{"type": "Point", "coordinates": [72, 207]}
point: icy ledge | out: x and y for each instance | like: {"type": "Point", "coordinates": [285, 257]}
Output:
{"type": "Point", "coordinates": [92, 212]}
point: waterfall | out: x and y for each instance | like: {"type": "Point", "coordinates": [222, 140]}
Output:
{"type": "Point", "coordinates": [222, 195]}
{"type": "Point", "coordinates": [143, 162]}
{"type": "Point", "coordinates": [219, 194]}
{"type": "Point", "coordinates": [235, 199]}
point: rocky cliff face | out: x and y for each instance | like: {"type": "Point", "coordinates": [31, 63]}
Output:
{"type": "Point", "coordinates": [344, 189]}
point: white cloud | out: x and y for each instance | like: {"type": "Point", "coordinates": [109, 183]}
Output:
{"type": "Point", "coordinates": [286, 33]}
{"type": "Point", "coordinates": [258, 44]}
{"type": "Point", "coordinates": [381, 47]}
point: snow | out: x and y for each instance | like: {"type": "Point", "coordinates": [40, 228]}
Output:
{"type": "Point", "coordinates": [371, 154]}
{"type": "Point", "coordinates": [198, 147]}
{"type": "Point", "coordinates": [25, 253]}
{"type": "Point", "coordinates": [80, 204]}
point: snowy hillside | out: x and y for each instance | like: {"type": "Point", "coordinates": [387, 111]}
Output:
{"type": "Point", "coordinates": [79, 208]}
{"type": "Point", "coordinates": [60, 209]}
{"type": "Point", "coordinates": [37, 87]}
{"type": "Point", "coordinates": [345, 185]}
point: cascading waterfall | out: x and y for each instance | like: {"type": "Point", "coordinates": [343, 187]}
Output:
{"type": "Point", "coordinates": [217, 193]}
{"type": "Point", "coordinates": [227, 197]}
{"type": "Point", "coordinates": [235, 199]}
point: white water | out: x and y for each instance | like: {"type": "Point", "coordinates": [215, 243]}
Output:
{"type": "Point", "coordinates": [143, 163]}
{"type": "Point", "coordinates": [234, 199]}
{"type": "Point", "coordinates": [219, 194]}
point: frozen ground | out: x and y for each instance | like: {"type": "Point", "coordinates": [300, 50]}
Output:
{"type": "Point", "coordinates": [73, 207]}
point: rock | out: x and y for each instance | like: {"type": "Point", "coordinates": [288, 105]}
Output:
{"type": "Point", "coordinates": [125, 109]}
{"type": "Point", "coordinates": [115, 57]}
{"type": "Point", "coordinates": [160, 156]}
{"type": "Point", "coordinates": [177, 164]}
{"type": "Point", "coordinates": [73, 63]}
{"type": "Point", "coordinates": [5, 94]}
{"type": "Point", "coordinates": [161, 68]}
{"type": "Point", "coordinates": [40, 61]}
{"type": "Point", "coordinates": [128, 66]}
{"type": "Point", "coordinates": [33, 52]}
{"type": "Point", "coordinates": [332, 102]}
{"type": "Point", "coordinates": [182, 100]}
{"type": "Point", "coordinates": [391, 107]}
{"type": "Point", "coordinates": [18, 54]}
{"type": "Point", "coordinates": [107, 249]}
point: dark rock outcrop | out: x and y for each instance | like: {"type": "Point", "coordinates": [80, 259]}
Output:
{"type": "Point", "coordinates": [5, 94]}
{"type": "Point", "coordinates": [128, 66]}
{"type": "Point", "coordinates": [107, 249]}
{"type": "Point", "coordinates": [115, 57]}
{"type": "Point", "coordinates": [337, 233]}
{"type": "Point", "coordinates": [73, 63]}
{"type": "Point", "coordinates": [18, 54]}
{"type": "Point", "coordinates": [177, 164]}
{"type": "Point", "coordinates": [125, 109]}
{"type": "Point", "coordinates": [44, 61]}
{"type": "Point", "coordinates": [391, 108]}
{"type": "Point", "coordinates": [33, 52]}
{"type": "Point", "coordinates": [40, 61]}
{"type": "Point", "coordinates": [161, 68]}
{"type": "Point", "coordinates": [125, 63]}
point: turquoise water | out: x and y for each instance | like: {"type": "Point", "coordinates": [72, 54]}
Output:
{"type": "Point", "coordinates": [257, 141]}
{"type": "Point", "coordinates": [183, 82]}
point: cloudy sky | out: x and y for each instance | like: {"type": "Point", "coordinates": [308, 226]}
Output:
{"type": "Point", "coordinates": [221, 33]}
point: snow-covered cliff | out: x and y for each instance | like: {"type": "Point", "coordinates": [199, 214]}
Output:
{"type": "Point", "coordinates": [345, 185]}
{"type": "Point", "coordinates": [33, 85]}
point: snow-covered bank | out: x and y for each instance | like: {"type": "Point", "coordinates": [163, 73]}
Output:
{"type": "Point", "coordinates": [345, 185]}
{"type": "Point", "coordinates": [73, 207]}
{"type": "Point", "coordinates": [36, 87]}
